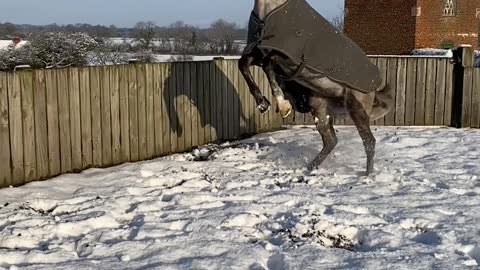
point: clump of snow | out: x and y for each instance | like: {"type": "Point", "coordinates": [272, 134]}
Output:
{"type": "Point", "coordinates": [433, 52]}
{"type": "Point", "coordinates": [251, 206]}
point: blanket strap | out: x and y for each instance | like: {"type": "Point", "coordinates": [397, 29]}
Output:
{"type": "Point", "coordinates": [299, 69]}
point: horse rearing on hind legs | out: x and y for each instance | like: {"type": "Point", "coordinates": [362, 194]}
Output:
{"type": "Point", "coordinates": [311, 67]}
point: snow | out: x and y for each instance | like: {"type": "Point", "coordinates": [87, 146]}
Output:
{"type": "Point", "coordinates": [250, 206]}
{"type": "Point", "coordinates": [4, 44]}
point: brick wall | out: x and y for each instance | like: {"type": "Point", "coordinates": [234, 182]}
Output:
{"type": "Point", "coordinates": [390, 27]}
{"type": "Point", "coordinates": [433, 28]}
{"type": "Point", "coordinates": [381, 26]}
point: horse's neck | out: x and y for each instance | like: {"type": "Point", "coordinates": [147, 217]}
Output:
{"type": "Point", "coordinates": [263, 7]}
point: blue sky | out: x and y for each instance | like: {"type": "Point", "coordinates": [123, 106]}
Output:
{"type": "Point", "coordinates": [128, 12]}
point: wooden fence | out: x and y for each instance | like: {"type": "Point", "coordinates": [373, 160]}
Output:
{"type": "Point", "coordinates": [66, 120]}
{"type": "Point", "coordinates": [423, 89]}
{"type": "Point", "coordinates": [59, 121]}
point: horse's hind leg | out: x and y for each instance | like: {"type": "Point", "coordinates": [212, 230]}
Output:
{"type": "Point", "coordinates": [362, 122]}
{"type": "Point", "coordinates": [324, 123]}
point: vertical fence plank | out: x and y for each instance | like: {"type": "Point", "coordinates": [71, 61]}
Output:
{"type": "Point", "coordinates": [75, 127]}
{"type": "Point", "coordinates": [142, 112]}
{"type": "Point", "coordinates": [115, 114]}
{"type": "Point", "coordinates": [16, 128]}
{"type": "Point", "coordinates": [187, 104]}
{"type": "Point", "coordinates": [181, 104]}
{"type": "Point", "coordinates": [475, 123]}
{"type": "Point", "coordinates": [230, 91]}
{"type": "Point", "coordinates": [28, 119]}
{"type": "Point", "coordinates": [96, 116]}
{"type": "Point", "coordinates": [124, 112]}
{"type": "Point", "coordinates": [195, 104]}
{"type": "Point", "coordinates": [64, 121]}
{"type": "Point", "coordinates": [86, 117]}
{"type": "Point", "coordinates": [133, 112]}
{"type": "Point", "coordinates": [166, 70]}
{"type": "Point", "coordinates": [440, 93]}
{"type": "Point", "coordinates": [448, 94]}
{"type": "Point", "coordinates": [5, 165]}
{"type": "Point", "coordinates": [52, 122]}
{"type": "Point", "coordinates": [150, 113]}
{"type": "Point", "coordinates": [467, 97]}
{"type": "Point", "coordinates": [392, 82]}
{"type": "Point", "coordinates": [157, 108]}
{"type": "Point", "coordinates": [383, 68]}
{"type": "Point", "coordinates": [430, 91]}
{"type": "Point", "coordinates": [236, 99]}
{"type": "Point", "coordinates": [224, 112]}
{"type": "Point", "coordinates": [206, 84]}
{"type": "Point", "coordinates": [173, 106]}
{"type": "Point", "coordinates": [217, 97]}
{"type": "Point", "coordinates": [201, 103]}
{"type": "Point", "coordinates": [212, 101]}
{"type": "Point", "coordinates": [41, 133]}
{"type": "Point", "coordinates": [410, 91]}
{"type": "Point", "coordinates": [401, 92]}
{"type": "Point", "coordinates": [419, 100]}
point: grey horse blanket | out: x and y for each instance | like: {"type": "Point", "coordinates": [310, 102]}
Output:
{"type": "Point", "coordinates": [299, 32]}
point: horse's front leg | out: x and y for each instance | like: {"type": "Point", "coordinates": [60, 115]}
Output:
{"type": "Point", "coordinates": [244, 65]}
{"type": "Point", "coordinates": [283, 105]}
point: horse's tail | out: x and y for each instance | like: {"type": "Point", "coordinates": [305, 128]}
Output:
{"type": "Point", "coordinates": [383, 102]}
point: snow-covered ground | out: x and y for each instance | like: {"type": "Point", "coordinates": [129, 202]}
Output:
{"type": "Point", "coordinates": [251, 207]}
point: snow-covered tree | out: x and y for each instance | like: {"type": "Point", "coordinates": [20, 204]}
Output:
{"type": "Point", "coordinates": [56, 50]}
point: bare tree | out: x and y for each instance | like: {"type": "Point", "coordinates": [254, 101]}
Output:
{"type": "Point", "coordinates": [338, 21]}
{"type": "Point", "coordinates": [145, 33]}
{"type": "Point", "coordinates": [223, 35]}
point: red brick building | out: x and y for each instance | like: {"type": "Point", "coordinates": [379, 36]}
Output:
{"type": "Point", "coordinates": [399, 26]}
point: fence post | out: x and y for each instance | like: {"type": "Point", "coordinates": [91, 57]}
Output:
{"type": "Point", "coordinates": [464, 58]}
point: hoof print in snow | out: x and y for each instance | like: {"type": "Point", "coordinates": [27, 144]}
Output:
{"type": "Point", "coordinates": [325, 234]}
{"type": "Point", "coordinates": [204, 153]}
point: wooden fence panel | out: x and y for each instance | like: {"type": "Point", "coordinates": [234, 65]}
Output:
{"type": "Point", "coordinates": [16, 128]}
{"type": "Point", "coordinates": [410, 91]}
{"type": "Point", "coordinates": [64, 121]}
{"type": "Point", "coordinates": [201, 102]}
{"type": "Point", "coordinates": [115, 114]}
{"type": "Point", "coordinates": [440, 93]}
{"type": "Point", "coordinates": [157, 108]}
{"type": "Point", "coordinates": [448, 93]}
{"type": "Point", "coordinates": [401, 92]}
{"type": "Point", "coordinates": [95, 93]}
{"type": "Point", "coordinates": [206, 85]}
{"type": "Point", "coordinates": [133, 112]}
{"type": "Point", "coordinates": [52, 122]}
{"type": "Point", "coordinates": [166, 70]}
{"type": "Point", "coordinates": [173, 107]}
{"type": "Point", "coordinates": [150, 110]}
{"type": "Point", "coordinates": [85, 117]}
{"type": "Point", "coordinates": [195, 87]}
{"type": "Point", "coordinates": [5, 165]}
{"type": "Point", "coordinates": [75, 127]}
{"type": "Point", "coordinates": [41, 131]}
{"type": "Point", "coordinates": [124, 100]}
{"type": "Point", "coordinates": [382, 64]}
{"type": "Point", "coordinates": [467, 97]}
{"type": "Point", "coordinates": [392, 82]}
{"type": "Point", "coordinates": [28, 119]}
{"type": "Point", "coordinates": [430, 91]}
{"type": "Point", "coordinates": [475, 122]}
{"type": "Point", "coordinates": [142, 112]}
{"type": "Point", "coordinates": [419, 103]}
{"type": "Point", "coordinates": [187, 105]}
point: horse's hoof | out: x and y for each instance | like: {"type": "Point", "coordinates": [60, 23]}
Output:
{"type": "Point", "coordinates": [264, 105]}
